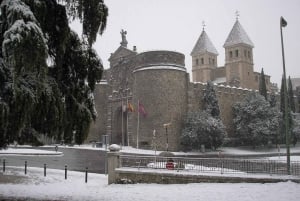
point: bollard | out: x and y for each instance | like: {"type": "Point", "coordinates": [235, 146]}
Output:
{"type": "Point", "coordinates": [44, 170]}
{"type": "Point", "coordinates": [25, 167]}
{"type": "Point", "coordinates": [86, 174]}
{"type": "Point", "coordinates": [3, 165]}
{"type": "Point", "coordinates": [66, 168]}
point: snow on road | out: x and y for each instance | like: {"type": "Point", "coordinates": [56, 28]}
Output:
{"type": "Point", "coordinates": [54, 187]}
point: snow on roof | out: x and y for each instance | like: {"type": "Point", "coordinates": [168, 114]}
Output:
{"type": "Point", "coordinates": [219, 80]}
{"type": "Point", "coordinates": [237, 35]}
{"type": "Point", "coordinates": [161, 67]}
{"type": "Point", "coordinates": [204, 45]}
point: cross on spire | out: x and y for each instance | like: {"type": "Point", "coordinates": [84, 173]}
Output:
{"type": "Point", "coordinates": [237, 14]}
{"type": "Point", "coordinates": [203, 25]}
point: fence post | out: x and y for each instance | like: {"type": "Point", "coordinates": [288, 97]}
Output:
{"type": "Point", "coordinates": [113, 162]}
{"type": "Point", "coordinates": [25, 167]}
{"type": "Point", "coordinates": [66, 168]}
{"type": "Point", "coordinates": [45, 170]}
{"type": "Point", "coordinates": [3, 165]}
{"type": "Point", "coordinates": [86, 174]}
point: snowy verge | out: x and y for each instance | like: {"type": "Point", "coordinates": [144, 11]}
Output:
{"type": "Point", "coordinates": [55, 187]}
{"type": "Point", "coordinates": [12, 151]}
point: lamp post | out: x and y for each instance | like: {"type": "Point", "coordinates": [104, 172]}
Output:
{"type": "Point", "coordinates": [283, 23]}
{"type": "Point", "coordinates": [167, 138]}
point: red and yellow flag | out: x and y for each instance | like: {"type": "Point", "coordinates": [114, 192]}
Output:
{"type": "Point", "coordinates": [130, 107]}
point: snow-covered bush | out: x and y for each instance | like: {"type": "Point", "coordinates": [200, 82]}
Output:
{"type": "Point", "coordinates": [202, 128]}
{"type": "Point", "coordinates": [255, 121]}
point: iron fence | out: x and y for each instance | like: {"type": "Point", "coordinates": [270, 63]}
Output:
{"type": "Point", "coordinates": [218, 165]}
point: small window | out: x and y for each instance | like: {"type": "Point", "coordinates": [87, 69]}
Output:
{"type": "Point", "coordinates": [213, 61]}
{"type": "Point", "coordinates": [245, 53]}
{"type": "Point", "coordinates": [248, 73]}
{"type": "Point", "coordinates": [249, 54]}
{"type": "Point", "coordinates": [197, 61]}
{"type": "Point", "coordinates": [236, 53]}
{"type": "Point", "coordinates": [230, 54]}
{"type": "Point", "coordinates": [202, 61]}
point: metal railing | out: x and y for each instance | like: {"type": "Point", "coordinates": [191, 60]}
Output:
{"type": "Point", "coordinates": [217, 165]}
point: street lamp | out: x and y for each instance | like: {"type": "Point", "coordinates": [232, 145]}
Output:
{"type": "Point", "coordinates": [166, 127]}
{"type": "Point", "coordinates": [283, 23]}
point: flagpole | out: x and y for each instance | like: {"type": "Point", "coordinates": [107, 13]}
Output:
{"type": "Point", "coordinates": [122, 108]}
{"type": "Point", "coordinates": [127, 117]}
{"type": "Point", "coordinates": [138, 125]}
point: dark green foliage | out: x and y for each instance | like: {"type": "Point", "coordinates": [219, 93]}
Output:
{"type": "Point", "coordinates": [201, 128]}
{"type": "Point", "coordinates": [210, 100]}
{"type": "Point", "coordinates": [93, 15]}
{"type": "Point", "coordinates": [273, 100]}
{"type": "Point", "coordinates": [52, 99]}
{"type": "Point", "coordinates": [255, 121]}
{"type": "Point", "coordinates": [283, 111]}
{"type": "Point", "coordinates": [262, 84]}
{"type": "Point", "coordinates": [291, 96]}
{"type": "Point", "coordinates": [282, 95]}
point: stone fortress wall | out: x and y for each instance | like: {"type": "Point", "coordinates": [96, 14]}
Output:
{"type": "Point", "coordinates": [160, 82]}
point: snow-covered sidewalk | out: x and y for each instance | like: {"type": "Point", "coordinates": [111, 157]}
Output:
{"type": "Point", "coordinates": [26, 151]}
{"type": "Point", "coordinates": [54, 187]}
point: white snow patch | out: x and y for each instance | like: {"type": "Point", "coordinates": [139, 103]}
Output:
{"type": "Point", "coordinates": [55, 187]}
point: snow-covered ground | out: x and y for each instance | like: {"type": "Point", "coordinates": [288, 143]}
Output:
{"type": "Point", "coordinates": [25, 151]}
{"type": "Point", "coordinates": [54, 187]}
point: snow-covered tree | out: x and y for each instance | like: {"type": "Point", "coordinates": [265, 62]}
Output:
{"type": "Point", "coordinates": [262, 84]}
{"type": "Point", "coordinates": [202, 128]}
{"type": "Point", "coordinates": [291, 95]}
{"type": "Point", "coordinates": [296, 128]}
{"type": "Point", "coordinates": [210, 100]}
{"type": "Point", "coordinates": [47, 73]}
{"type": "Point", "coordinates": [255, 121]}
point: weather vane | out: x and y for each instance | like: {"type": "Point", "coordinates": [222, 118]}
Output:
{"type": "Point", "coordinates": [203, 24]}
{"type": "Point", "coordinates": [237, 15]}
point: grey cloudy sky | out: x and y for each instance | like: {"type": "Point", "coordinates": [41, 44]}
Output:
{"type": "Point", "coordinates": [177, 24]}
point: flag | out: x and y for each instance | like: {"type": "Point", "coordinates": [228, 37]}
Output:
{"type": "Point", "coordinates": [130, 107]}
{"type": "Point", "coordinates": [283, 23]}
{"type": "Point", "coordinates": [142, 109]}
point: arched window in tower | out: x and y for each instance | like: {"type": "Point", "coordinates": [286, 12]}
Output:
{"type": "Point", "coordinates": [245, 53]}
{"type": "Point", "coordinates": [230, 54]}
{"type": "Point", "coordinates": [236, 53]}
{"type": "Point", "coordinates": [249, 55]}
{"type": "Point", "coordinates": [202, 61]}
{"type": "Point", "coordinates": [197, 62]}
{"type": "Point", "coordinates": [213, 61]}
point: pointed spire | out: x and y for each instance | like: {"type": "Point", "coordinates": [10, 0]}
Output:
{"type": "Point", "coordinates": [238, 35]}
{"type": "Point", "coordinates": [204, 44]}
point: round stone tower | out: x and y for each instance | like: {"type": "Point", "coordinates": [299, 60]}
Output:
{"type": "Point", "coordinates": [160, 88]}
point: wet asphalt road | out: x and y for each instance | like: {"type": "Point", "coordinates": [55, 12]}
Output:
{"type": "Point", "coordinates": [75, 159]}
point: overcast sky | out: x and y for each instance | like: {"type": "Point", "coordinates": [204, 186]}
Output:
{"type": "Point", "coordinates": [177, 24]}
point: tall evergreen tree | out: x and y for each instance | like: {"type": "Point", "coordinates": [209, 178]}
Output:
{"type": "Point", "coordinates": [262, 84]}
{"type": "Point", "coordinates": [282, 109]}
{"type": "Point", "coordinates": [210, 100]}
{"type": "Point", "coordinates": [50, 98]}
{"type": "Point", "coordinates": [291, 96]}
{"type": "Point", "coordinates": [282, 95]}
